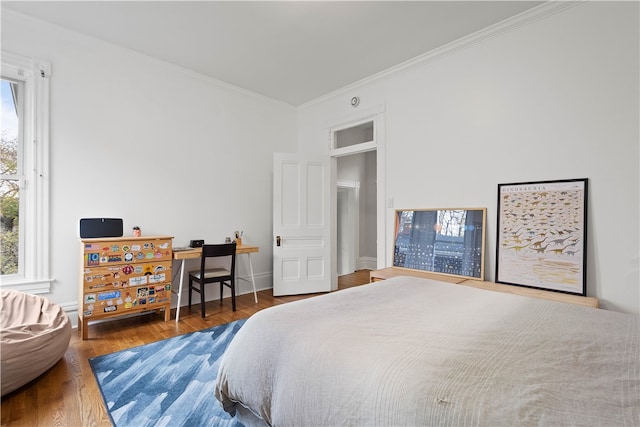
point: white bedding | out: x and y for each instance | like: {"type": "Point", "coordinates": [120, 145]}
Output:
{"type": "Point", "coordinates": [409, 351]}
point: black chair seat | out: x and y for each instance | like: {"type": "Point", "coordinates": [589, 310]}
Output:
{"type": "Point", "coordinates": [211, 273]}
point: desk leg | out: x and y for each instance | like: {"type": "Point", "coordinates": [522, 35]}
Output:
{"type": "Point", "coordinates": [253, 280]}
{"type": "Point", "coordinates": [179, 293]}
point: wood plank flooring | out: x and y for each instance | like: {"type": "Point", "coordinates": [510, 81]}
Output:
{"type": "Point", "coordinates": [68, 396]}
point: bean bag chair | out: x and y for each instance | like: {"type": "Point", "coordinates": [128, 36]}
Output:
{"type": "Point", "coordinates": [34, 335]}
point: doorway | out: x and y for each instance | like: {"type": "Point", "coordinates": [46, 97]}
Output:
{"type": "Point", "coordinates": [356, 212]}
{"type": "Point", "coordinates": [358, 160]}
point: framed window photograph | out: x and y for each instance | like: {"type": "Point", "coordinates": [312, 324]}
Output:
{"type": "Point", "coordinates": [541, 235]}
{"type": "Point", "coordinates": [443, 241]}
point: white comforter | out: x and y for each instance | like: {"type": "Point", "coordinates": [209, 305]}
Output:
{"type": "Point", "coordinates": [414, 352]}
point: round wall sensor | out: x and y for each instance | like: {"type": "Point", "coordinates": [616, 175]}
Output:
{"type": "Point", "coordinates": [355, 101]}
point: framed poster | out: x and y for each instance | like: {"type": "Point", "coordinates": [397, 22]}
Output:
{"type": "Point", "coordinates": [445, 241]}
{"type": "Point", "coordinates": [542, 232]}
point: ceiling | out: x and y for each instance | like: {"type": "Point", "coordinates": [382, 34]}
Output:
{"type": "Point", "coordinates": [292, 51]}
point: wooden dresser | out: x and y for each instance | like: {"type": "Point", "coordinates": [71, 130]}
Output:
{"type": "Point", "coordinates": [123, 275]}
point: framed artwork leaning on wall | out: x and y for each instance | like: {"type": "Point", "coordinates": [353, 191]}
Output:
{"type": "Point", "coordinates": [443, 241]}
{"type": "Point", "coordinates": [541, 235]}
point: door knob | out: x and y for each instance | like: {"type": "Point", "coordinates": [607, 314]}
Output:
{"type": "Point", "coordinates": [277, 240]}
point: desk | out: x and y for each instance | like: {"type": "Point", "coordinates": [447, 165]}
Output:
{"type": "Point", "coordinates": [184, 255]}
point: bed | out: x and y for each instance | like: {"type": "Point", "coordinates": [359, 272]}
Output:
{"type": "Point", "coordinates": [412, 352]}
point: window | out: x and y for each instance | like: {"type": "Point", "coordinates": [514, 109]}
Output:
{"type": "Point", "coordinates": [354, 135]}
{"type": "Point", "coordinates": [24, 180]}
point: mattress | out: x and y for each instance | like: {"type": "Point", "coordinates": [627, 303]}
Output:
{"type": "Point", "coordinates": [410, 351]}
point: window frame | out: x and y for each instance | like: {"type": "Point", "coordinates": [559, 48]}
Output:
{"type": "Point", "coordinates": [34, 260]}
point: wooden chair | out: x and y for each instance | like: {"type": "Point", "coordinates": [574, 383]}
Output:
{"type": "Point", "coordinates": [222, 275]}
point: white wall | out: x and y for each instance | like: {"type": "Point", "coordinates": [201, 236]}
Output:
{"type": "Point", "coordinates": [170, 151]}
{"type": "Point", "coordinates": [556, 98]}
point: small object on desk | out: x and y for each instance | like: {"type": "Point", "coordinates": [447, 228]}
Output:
{"type": "Point", "coordinates": [136, 231]}
{"type": "Point", "coordinates": [238, 241]}
{"type": "Point", "coordinates": [227, 239]}
{"type": "Point", "coordinates": [196, 243]}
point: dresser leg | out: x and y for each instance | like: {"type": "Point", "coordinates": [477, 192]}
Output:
{"type": "Point", "coordinates": [83, 328]}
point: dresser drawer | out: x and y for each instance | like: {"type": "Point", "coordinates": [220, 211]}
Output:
{"type": "Point", "coordinates": [101, 253]}
{"type": "Point", "coordinates": [125, 300]}
{"type": "Point", "coordinates": [126, 275]}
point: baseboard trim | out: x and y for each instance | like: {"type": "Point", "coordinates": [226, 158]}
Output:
{"type": "Point", "coordinates": [367, 263]}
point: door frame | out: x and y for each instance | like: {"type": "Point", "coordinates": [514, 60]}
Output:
{"type": "Point", "coordinates": [375, 114]}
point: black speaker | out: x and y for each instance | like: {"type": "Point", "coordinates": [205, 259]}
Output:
{"type": "Point", "coordinates": [100, 227]}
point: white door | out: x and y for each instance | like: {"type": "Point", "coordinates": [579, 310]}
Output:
{"type": "Point", "coordinates": [301, 224]}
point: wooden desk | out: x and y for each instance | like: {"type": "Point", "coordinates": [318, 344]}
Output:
{"type": "Point", "coordinates": [191, 253]}
{"type": "Point", "coordinates": [187, 253]}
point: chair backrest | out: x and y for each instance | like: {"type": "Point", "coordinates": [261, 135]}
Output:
{"type": "Point", "coordinates": [219, 250]}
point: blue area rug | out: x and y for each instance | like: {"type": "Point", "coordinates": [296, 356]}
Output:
{"type": "Point", "coordinates": [167, 383]}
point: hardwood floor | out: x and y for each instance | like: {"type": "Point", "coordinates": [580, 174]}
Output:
{"type": "Point", "coordinates": [67, 395]}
